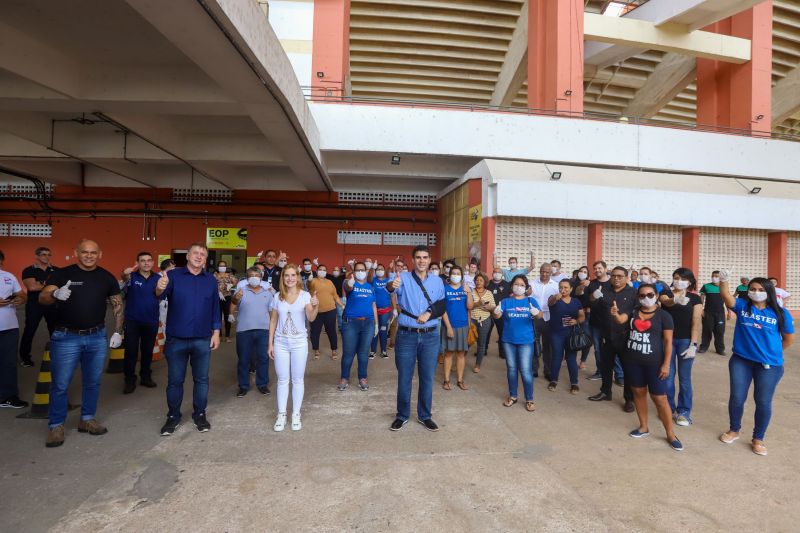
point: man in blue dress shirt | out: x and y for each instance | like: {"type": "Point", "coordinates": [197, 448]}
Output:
{"type": "Point", "coordinates": [141, 320]}
{"type": "Point", "coordinates": [417, 339]}
{"type": "Point", "coordinates": [193, 323]}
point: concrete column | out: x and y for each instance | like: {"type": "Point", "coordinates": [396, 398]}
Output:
{"type": "Point", "coordinates": [690, 250]}
{"type": "Point", "coordinates": [330, 60]}
{"type": "Point", "coordinates": [555, 55]}
{"type": "Point", "coordinates": [777, 245]}
{"type": "Point", "coordinates": [739, 96]}
{"type": "Point", "coordinates": [594, 243]}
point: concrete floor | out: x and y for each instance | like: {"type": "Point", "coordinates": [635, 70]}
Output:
{"type": "Point", "coordinates": [570, 466]}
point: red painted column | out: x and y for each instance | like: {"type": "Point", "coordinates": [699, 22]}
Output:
{"type": "Point", "coordinates": [690, 250]}
{"type": "Point", "coordinates": [594, 243]}
{"type": "Point", "coordinates": [555, 55]}
{"type": "Point", "coordinates": [330, 59]}
{"type": "Point", "coordinates": [739, 96]}
{"type": "Point", "coordinates": [777, 244]}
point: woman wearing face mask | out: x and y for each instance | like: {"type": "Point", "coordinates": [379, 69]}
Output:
{"type": "Point", "coordinates": [359, 326]}
{"type": "Point", "coordinates": [763, 331]}
{"type": "Point", "coordinates": [517, 312]}
{"type": "Point", "coordinates": [686, 309]}
{"type": "Point", "coordinates": [565, 312]}
{"type": "Point", "coordinates": [326, 314]}
{"type": "Point", "coordinates": [582, 280]}
{"type": "Point", "coordinates": [647, 359]}
{"type": "Point", "coordinates": [481, 315]}
{"type": "Point", "coordinates": [500, 289]}
{"type": "Point", "coordinates": [458, 300]}
{"type": "Point", "coordinates": [253, 302]}
{"type": "Point", "coordinates": [434, 268]}
{"type": "Point", "coordinates": [337, 278]}
{"type": "Point", "coordinates": [225, 284]}
{"type": "Point", "coordinates": [383, 302]}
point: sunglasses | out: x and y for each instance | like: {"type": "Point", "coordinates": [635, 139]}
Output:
{"type": "Point", "coordinates": [648, 295]}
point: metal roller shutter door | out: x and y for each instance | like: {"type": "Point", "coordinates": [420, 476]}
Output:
{"type": "Point", "coordinates": [549, 239]}
{"type": "Point", "coordinates": [792, 282]}
{"type": "Point", "coordinates": [742, 251]}
{"type": "Point", "coordinates": [655, 246]}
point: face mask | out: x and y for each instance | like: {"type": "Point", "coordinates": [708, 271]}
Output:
{"type": "Point", "coordinates": [582, 276]}
{"type": "Point", "coordinates": [513, 266]}
{"type": "Point", "coordinates": [435, 272]}
{"type": "Point", "coordinates": [682, 284]}
{"type": "Point", "coordinates": [497, 276]}
{"type": "Point", "coordinates": [648, 302]}
{"type": "Point", "coordinates": [644, 278]}
{"type": "Point", "coordinates": [555, 270]}
{"type": "Point", "coordinates": [307, 268]}
{"type": "Point", "coordinates": [405, 269]}
{"type": "Point", "coordinates": [368, 264]}
{"type": "Point", "coordinates": [757, 296]}
{"type": "Point", "coordinates": [447, 270]}
{"type": "Point", "coordinates": [222, 270]}
{"type": "Point", "coordinates": [518, 290]}
{"type": "Point", "coordinates": [335, 273]}
{"type": "Point", "coordinates": [380, 273]}
{"type": "Point", "coordinates": [254, 281]}
{"type": "Point", "coordinates": [281, 264]}
{"type": "Point", "coordinates": [322, 274]}
{"type": "Point", "coordinates": [715, 279]}
{"type": "Point", "coordinates": [361, 275]}
{"type": "Point", "coordinates": [455, 278]}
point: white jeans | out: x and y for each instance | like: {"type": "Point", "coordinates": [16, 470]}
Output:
{"type": "Point", "coordinates": [291, 354]}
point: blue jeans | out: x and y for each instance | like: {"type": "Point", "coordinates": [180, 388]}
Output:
{"type": "Point", "coordinates": [421, 349]}
{"type": "Point", "coordinates": [383, 332]}
{"type": "Point", "coordinates": [180, 352]}
{"type": "Point", "coordinates": [765, 381]}
{"type": "Point", "coordinates": [356, 338]}
{"type": "Point", "coordinates": [519, 360]}
{"type": "Point", "coordinates": [248, 343]}
{"type": "Point", "coordinates": [67, 350]}
{"type": "Point", "coordinates": [683, 367]}
{"type": "Point", "coordinates": [558, 343]}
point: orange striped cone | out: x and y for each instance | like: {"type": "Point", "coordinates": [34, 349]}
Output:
{"type": "Point", "coordinates": [158, 347]}
{"type": "Point", "coordinates": [40, 406]}
{"type": "Point", "coordinates": [116, 361]}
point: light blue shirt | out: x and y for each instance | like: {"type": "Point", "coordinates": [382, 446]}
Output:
{"type": "Point", "coordinates": [253, 309]}
{"type": "Point", "coordinates": [410, 298]}
{"type": "Point", "coordinates": [509, 274]}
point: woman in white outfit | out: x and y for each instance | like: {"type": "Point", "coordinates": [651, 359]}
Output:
{"type": "Point", "coordinates": [288, 341]}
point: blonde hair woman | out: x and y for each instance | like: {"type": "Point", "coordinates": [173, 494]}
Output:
{"type": "Point", "coordinates": [288, 345]}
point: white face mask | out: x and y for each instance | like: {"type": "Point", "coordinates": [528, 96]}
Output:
{"type": "Point", "coordinates": [715, 279]}
{"type": "Point", "coordinates": [368, 264]}
{"type": "Point", "coordinates": [647, 302]}
{"type": "Point", "coordinates": [307, 268]}
{"type": "Point", "coordinates": [519, 290]}
{"type": "Point", "coordinates": [361, 275]}
{"type": "Point", "coordinates": [281, 264]}
{"type": "Point", "coordinates": [447, 270]}
{"type": "Point", "coordinates": [380, 273]}
{"type": "Point", "coordinates": [222, 270]}
{"type": "Point", "coordinates": [322, 273]}
{"type": "Point", "coordinates": [335, 273]}
{"type": "Point", "coordinates": [435, 272]}
{"type": "Point", "coordinates": [512, 266]}
{"type": "Point", "coordinates": [254, 281]}
{"type": "Point", "coordinates": [644, 278]}
{"type": "Point", "coordinates": [555, 269]}
{"type": "Point", "coordinates": [682, 284]}
{"type": "Point", "coordinates": [757, 296]}
{"type": "Point", "coordinates": [497, 276]}
{"type": "Point", "coordinates": [455, 278]}
{"type": "Point", "coordinates": [582, 276]}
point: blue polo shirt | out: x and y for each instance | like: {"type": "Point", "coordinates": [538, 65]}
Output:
{"type": "Point", "coordinates": [141, 302]}
{"type": "Point", "coordinates": [360, 300]}
{"type": "Point", "coordinates": [756, 336]}
{"type": "Point", "coordinates": [411, 299]}
{"type": "Point", "coordinates": [193, 304]}
{"type": "Point", "coordinates": [382, 297]}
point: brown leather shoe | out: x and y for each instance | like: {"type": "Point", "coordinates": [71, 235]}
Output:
{"type": "Point", "coordinates": [91, 427]}
{"type": "Point", "coordinates": [628, 407]}
{"type": "Point", "coordinates": [55, 437]}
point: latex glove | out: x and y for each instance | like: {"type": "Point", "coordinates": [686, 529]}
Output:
{"type": "Point", "coordinates": [498, 311]}
{"type": "Point", "coordinates": [690, 352]}
{"type": "Point", "coordinates": [63, 293]}
{"type": "Point", "coordinates": [394, 313]}
{"type": "Point", "coordinates": [724, 275]}
{"type": "Point", "coordinates": [231, 318]}
{"type": "Point", "coordinates": [315, 261]}
{"type": "Point", "coordinates": [534, 312]}
{"type": "Point", "coordinates": [221, 297]}
{"type": "Point", "coordinates": [376, 330]}
{"type": "Point", "coordinates": [351, 282]}
{"type": "Point", "coordinates": [598, 293]}
{"type": "Point", "coordinates": [116, 341]}
{"type": "Point", "coordinates": [682, 300]}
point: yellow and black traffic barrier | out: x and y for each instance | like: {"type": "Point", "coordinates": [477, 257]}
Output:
{"type": "Point", "coordinates": [40, 406]}
{"type": "Point", "coordinates": [116, 361]}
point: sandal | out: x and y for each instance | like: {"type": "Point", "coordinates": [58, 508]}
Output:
{"type": "Point", "coordinates": [476, 370]}
{"type": "Point", "coordinates": [316, 354]}
{"type": "Point", "coordinates": [334, 356]}
{"type": "Point", "coordinates": [552, 386]}
{"type": "Point", "coordinates": [759, 448]}
{"type": "Point", "coordinates": [446, 385]}
{"type": "Point", "coordinates": [510, 401]}
{"type": "Point", "coordinates": [462, 385]}
{"type": "Point", "coordinates": [530, 406]}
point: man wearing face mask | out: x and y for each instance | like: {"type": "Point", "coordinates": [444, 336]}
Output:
{"type": "Point", "coordinates": [714, 314]}
{"type": "Point", "coordinates": [446, 266]}
{"type": "Point", "coordinates": [601, 281]}
{"type": "Point", "coordinates": [306, 274]}
{"type": "Point", "coordinates": [542, 288]}
{"type": "Point", "coordinates": [252, 332]}
{"type": "Point", "coordinates": [273, 264]}
{"type": "Point", "coordinates": [500, 289]}
{"type": "Point", "coordinates": [557, 275]}
{"type": "Point", "coordinates": [513, 267]}
{"type": "Point", "coordinates": [338, 279]}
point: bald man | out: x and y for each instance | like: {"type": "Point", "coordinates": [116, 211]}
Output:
{"type": "Point", "coordinates": [79, 294]}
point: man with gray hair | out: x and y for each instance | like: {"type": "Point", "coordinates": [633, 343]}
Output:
{"type": "Point", "coordinates": [253, 302]}
{"type": "Point", "coordinates": [542, 288]}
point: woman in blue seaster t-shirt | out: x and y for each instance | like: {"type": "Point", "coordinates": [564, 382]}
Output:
{"type": "Point", "coordinates": [517, 312]}
{"type": "Point", "coordinates": [458, 300]}
{"type": "Point", "coordinates": [763, 331]}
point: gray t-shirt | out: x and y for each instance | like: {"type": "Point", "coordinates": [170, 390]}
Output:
{"type": "Point", "coordinates": [254, 309]}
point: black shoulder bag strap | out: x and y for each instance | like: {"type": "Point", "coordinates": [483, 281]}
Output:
{"type": "Point", "coordinates": [424, 293]}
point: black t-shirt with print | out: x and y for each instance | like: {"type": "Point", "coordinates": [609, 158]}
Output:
{"type": "Point", "coordinates": [645, 341]}
{"type": "Point", "coordinates": [682, 316]}
{"type": "Point", "coordinates": [86, 306]}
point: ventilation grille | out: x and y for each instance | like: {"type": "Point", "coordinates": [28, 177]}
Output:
{"type": "Point", "coordinates": [393, 238]}
{"type": "Point", "coordinates": [26, 230]}
{"type": "Point", "coordinates": [742, 251]}
{"type": "Point", "coordinates": [389, 238]}
{"type": "Point", "coordinates": [792, 281]}
{"type": "Point", "coordinates": [24, 190]}
{"type": "Point", "coordinates": [549, 239]}
{"type": "Point", "coordinates": [3, 230]}
{"type": "Point", "coordinates": [396, 199]}
{"type": "Point", "coordinates": [202, 195]}
{"type": "Point", "coordinates": [654, 246]}
{"type": "Point", "coordinates": [358, 237]}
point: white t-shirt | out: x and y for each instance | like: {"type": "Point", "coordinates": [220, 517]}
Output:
{"type": "Point", "coordinates": [558, 277]}
{"type": "Point", "coordinates": [291, 317]}
{"type": "Point", "coordinates": [8, 313]}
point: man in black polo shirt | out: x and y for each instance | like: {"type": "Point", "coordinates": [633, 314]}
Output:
{"type": "Point", "coordinates": [34, 278]}
{"type": "Point", "coordinates": [714, 314]}
{"type": "Point", "coordinates": [141, 320]}
{"type": "Point", "coordinates": [272, 269]}
{"type": "Point", "coordinates": [79, 293]}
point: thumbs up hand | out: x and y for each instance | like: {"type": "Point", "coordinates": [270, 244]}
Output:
{"type": "Point", "coordinates": [116, 341]}
{"type": "Point", "coordinates": [314, 299]}
{"type": "Point", "coordinates": [63, 293]}
{"type": "Point", "coordinates": [598, 294]}
{"type": "Point", "coordinates": [534, 311]}
{"type": "Point", "coordinates": [163, 282]}
{"type": "Point", "coordinates": [128, 271]}
{"type": "Point", "coordinates": [397, 282]}
{"type": "Point", "coordinates": [315, 261]}
{"type": "Point", "coordinates": [614, 309]}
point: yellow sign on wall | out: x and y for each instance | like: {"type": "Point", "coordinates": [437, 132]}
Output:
{"type": "Point", "coordinates": [226, 238]}
{"type": "Point", "coordinates": [475, 215]}
{"type": "Point", "coordinates": [163, 257]}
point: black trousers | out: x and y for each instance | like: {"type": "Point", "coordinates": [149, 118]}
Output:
{"type": "Point", "coordinates": [542, 346]}
{"type": "Point", "coordinates": [139, 337]}
{"type": "Point", "coordinates": [611, 350]}
{"type": "Point", "coordinates": [327, 319]}
{"type": "Point", "coordinates": [34, 312]}
{"type": "Point", "coordinates": [713, 324]}
{"type": "Point", "coordinates": [225, 307]}
{"type": "Point", "coordinates": [497, 323]}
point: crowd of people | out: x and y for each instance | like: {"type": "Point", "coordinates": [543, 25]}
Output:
{"type": "Point", "coordinates": [645, 331]}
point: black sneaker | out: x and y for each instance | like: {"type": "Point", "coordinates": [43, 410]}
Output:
{"type": "Point", "coordinates": [129, 387]}
{"type": "Point", "coordinates": [398, 424]}
{"type": "Point", "coordinates": [26, 363]}
{"type": "Point", "coordinates": [384, 355]}
{"type": "Point", "coordinates": [429, 424]}
{"type": "Point", "coordinates": [597, 376]}
{"type": "Point", "coordinates": [13, 403]}
{"type": "Point", "coordinates": [201, 423]}
{"type": "Point", "coordinates": [170, 426]}
{"type": "Point", "coordinates": [619, 382]}
{"type": "Point", "coordinates": [372, 355]}
{"type": "Point", "coordinates": [264, 390]}
{"type": "Point", "coordinates": [241, 393]}
{"type": "Point", "coordinates": [600, 397]}
{"type": "Point", "coordinates": [149, 383]}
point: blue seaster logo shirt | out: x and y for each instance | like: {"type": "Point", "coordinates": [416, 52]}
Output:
{"type": "Point", "coordinates": [456, 305]}
{"type": "Point", "coordinates": [756, 336]}
{"type": "Point", "coordinates": [359, 301]}
{"type": "Point", "coordinates": [518, 321]}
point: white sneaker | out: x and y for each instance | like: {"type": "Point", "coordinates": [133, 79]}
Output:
{"type": "Point", "coordinates": [296, 425]}
{"type": "Point", "coordinates": [280, 423]}
{"type": "Point", "coordinates": [682, 420]}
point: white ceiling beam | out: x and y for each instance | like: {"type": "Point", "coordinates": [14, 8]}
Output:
{"type": "Point", "coordinates": [514, 71]}
{"type": "Point", "coordinates": [670, 77]}
{"type": "Point", "coordinates": [696, 14]}
{"type": "Point", "coordinates": [786, 97]}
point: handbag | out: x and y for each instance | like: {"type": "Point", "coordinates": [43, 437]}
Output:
{"type": "Point", "coordinates": [578, 339]}
{"type": "Point", "coordinates": [472, 334]}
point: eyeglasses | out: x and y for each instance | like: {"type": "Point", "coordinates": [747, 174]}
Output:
{"type": "Point", "coordinates": [648, 295]}
{"type": "Point", "coordinates": [617, 275]}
